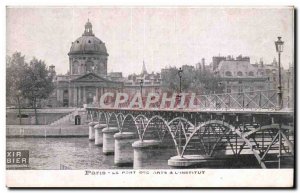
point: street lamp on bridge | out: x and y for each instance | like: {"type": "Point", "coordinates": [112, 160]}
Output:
{"type": "Point", "coordinates": [180, 71]}
{"type": "Point", "coordinates": [279, 49]}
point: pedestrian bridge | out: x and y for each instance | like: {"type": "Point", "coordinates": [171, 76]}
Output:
{"type": "Point", "coordinates": [223, 126]}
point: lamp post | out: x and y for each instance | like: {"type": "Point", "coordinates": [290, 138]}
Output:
{"type": "Point", "coordinates": [279, 49]}
{"type": "Point", "coordinates": [141, 85]}
{"type": "Point", "coordinates": [180, 71]}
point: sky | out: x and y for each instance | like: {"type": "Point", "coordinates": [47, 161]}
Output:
{"type": "Point", "coordinates": [159, 36]}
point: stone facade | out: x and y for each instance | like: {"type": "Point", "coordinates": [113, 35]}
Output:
{"type": "Point", "coordinates": [239, 75]}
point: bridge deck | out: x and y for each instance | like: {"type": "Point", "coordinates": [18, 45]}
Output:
{"type": "Point", "coordinates": [221, 111]}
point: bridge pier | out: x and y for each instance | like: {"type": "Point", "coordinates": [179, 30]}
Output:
{"type": "Point", "coordinates": [123, 148]}
{"type": "Point", "coordinates": [109, 140]}
{"type": "Point", "coordinates": [92, 130]}
{"type": "Point", "coordinates": [143, 151]}
{"type": "Point", "coordinates": [98, 134]}
{"type": "Point", "coordinates": [189, 161]}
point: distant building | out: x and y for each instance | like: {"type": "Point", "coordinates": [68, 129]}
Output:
{"type": "Point", "coordinates": [201, 65]}
{"type": "Point", "coordinates": [216, 61]}
{"type": "Point", "coordinates": [116, 76]}
{"type": "Point", "coordinates": [288, 85]}
{"type": "Point", "coordinates": [187, 68]}
{"type": "Point", "coordinates": [151, 82]}
{"type": "Point", "coordinates": [239, 75]}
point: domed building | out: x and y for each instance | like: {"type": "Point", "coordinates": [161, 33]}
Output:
{"type": "Point", "coordinates": [88, 54]}
{"type": "Point", "coordinates": [87, 79]}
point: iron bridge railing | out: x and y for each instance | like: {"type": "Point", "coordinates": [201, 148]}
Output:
{"type": "Point", "coordinates": [255, 100]}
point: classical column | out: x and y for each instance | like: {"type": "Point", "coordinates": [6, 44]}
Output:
{"type": "Point", "coordinates": [75, 96]}
{"type": "Point", "coordinates": [79, 95]}
{"type": "Point", "coordinates": [97, 95]}
{"type": "Point", "coordinates": [70, 96]}
{"type": "Point", "coordinates": [58, 97]}
{"type": "Point", "coordinates": [84, 95]}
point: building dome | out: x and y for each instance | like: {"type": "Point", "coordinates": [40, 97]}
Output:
{"type": "Point", "coordinates": [88, 43]}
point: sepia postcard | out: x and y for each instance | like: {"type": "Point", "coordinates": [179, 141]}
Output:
{"type": "Point", "coordinates": [157, 96]}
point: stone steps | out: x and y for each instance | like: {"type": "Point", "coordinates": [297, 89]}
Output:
{"type": "Point", "coordinates": [65, 120]}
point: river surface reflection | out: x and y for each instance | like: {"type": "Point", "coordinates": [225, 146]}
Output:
{"type": "Point", "coordinates": [80, 153]}
{"type": "Point", "coordinates": [72, 153]}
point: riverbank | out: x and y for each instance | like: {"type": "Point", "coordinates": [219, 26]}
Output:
{"type": "Point", "coordinates": [44, 116]}
{"type": "Point", "coordinates": [23, 131]}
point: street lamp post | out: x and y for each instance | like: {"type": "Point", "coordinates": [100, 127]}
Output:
{"type": "Point", "coordinates": [180, 71]}
{"type": "Point", "coordinates": [279, 49]}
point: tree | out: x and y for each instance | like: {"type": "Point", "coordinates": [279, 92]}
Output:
{"type": "Point", "coordinates": [194, 80]}
{"type": "Point", "coordinates": [205, 82]}
{"type": "Point", "coordinates": [36, 83]}
{"type": "Point", "coordinates": [15, 65]}
{"type": "Point", "coordinates": [170, 79]}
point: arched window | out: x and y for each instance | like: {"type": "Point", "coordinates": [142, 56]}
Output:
{"type": "Point", "coordinates": [251, 73]}
{"type": "Point", "coordinates": [240, 73]}
{"type": "Point", "coordinates": [90, 67]}
{"type": "Point", "coordinates": [228, 73]}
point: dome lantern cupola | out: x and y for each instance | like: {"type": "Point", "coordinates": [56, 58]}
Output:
{"type": "Point", "coordinates": [88, 29]}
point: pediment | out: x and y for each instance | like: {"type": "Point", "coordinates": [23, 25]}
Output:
{"type": "Point", "coordinates": [91, 77]}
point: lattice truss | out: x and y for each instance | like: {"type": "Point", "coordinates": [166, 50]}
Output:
{"type": "Point", "coordinates": [270, 144]}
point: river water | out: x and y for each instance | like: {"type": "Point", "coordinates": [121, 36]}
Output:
{"type": "Point", "coordinates": [72, 153]}
{"type": "Point", "coordinates": [80, 153]}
